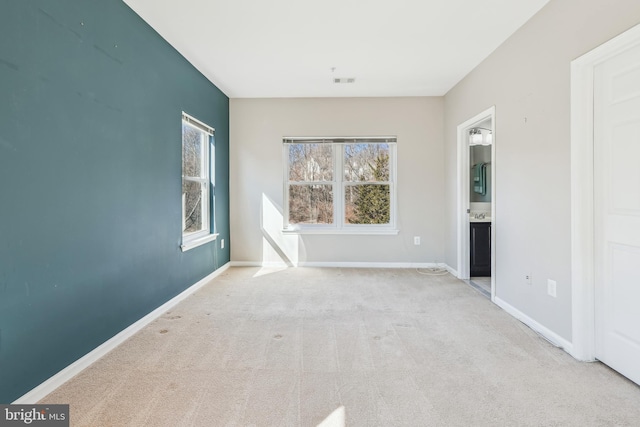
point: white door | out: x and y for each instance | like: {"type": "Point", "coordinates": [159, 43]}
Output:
{"type": "Point", "coordinates": [617, 212]}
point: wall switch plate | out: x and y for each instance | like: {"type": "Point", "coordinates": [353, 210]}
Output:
{"type": "Point", "coordinates": [527, 279]}
{"type": "Point", "coordinates": [551, 287]}
{"type": "Point", "coordinates": [416, 240]}
{"type": "Point", "coordinates": [221, 243]}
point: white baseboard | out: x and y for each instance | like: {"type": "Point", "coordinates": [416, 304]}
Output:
{"type": "Point", "coordinates": [42, 390]}
{"type": "Point", "coordinates": [342, 264]}
{"type": "Point", "coordinates": [545, 332]}
{"type": "Point", "coordinates": [368, 264]}
{"type": "Point", "coordinates": [258, 264]}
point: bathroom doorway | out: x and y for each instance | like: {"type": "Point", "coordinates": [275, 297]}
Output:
{"type": "Point", "coordinates": [476, 202]}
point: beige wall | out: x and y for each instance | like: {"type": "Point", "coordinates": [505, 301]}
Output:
{"type": "Point", "coordinates": [256, 165]}
{"type": "Point", "coordinates": [528, 81]}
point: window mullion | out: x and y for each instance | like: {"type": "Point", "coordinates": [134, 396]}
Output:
{"type": "Point", "coordinates": [338, 190]}
{"type": "Point", "coordinates": [204, 140]}
{"type": "Point", "coordinates": [287, 183]}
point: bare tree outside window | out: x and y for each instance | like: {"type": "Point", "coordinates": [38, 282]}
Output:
{"type": "Point", "coordinates": [196, 139]}
{"type": "Point", "coordinates": [310, 184]}
{"type": "Point", "coordinates": [192, 194]}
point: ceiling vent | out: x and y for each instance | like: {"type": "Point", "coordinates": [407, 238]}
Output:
{"type": "Point", "coordinates": [345, 80]}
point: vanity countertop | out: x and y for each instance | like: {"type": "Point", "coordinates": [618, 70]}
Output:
{"type": "Point", "coordinates": [486, 219]}
{"type": "Point", "coordinates": [480, 217]}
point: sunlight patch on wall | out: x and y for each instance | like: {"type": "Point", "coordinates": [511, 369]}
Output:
{"type": "Point", "coordinates": [335, 419]}
{"type": "Point", "coordinates": [277, 248]}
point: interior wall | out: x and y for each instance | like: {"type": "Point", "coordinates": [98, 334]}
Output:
{"type": "Point", "coordinates": [256, 158]}
{"type": "Point", "coordinates": [528, 81]}
{"type": "Point", "coordinates": [90, 180]}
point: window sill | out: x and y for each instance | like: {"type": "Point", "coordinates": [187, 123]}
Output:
{"type": "Point", "coordinates": [346, 231]}
{"type": "Point", "coordinates": [190, 244]}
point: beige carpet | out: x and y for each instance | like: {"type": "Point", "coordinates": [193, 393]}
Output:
{"type": "Point", "coordinates": [395, 348]}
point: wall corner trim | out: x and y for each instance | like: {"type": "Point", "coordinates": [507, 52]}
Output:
{"type": "Point", "coordinates": [48, 386]}
{"type": "Point", "coordinates": [546, 333]}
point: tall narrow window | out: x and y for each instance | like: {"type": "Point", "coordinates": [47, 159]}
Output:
{"type": "Point", "coordinates": [310, 183]}
{"type": "Point", "coordinates": [340, 184]}
{"type": "Point", "coordinates": [367, 183]}
{"type": "Point", "coordinates": [196, 181]}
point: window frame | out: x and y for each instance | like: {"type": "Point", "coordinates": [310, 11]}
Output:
{"type": "Point", "coordinates": [194, 239]}
{"type": "Point", "coordinates": [339, 184]}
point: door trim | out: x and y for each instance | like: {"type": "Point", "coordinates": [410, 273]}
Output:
{"type": "Point", "coordinates": [463, 195]}
{"type": "Point", "coordinates": [582, 184]}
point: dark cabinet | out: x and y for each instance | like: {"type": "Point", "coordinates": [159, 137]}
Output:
{"type": "Point", "coordinates": [480, 249]}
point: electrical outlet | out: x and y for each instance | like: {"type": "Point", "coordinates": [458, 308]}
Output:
{"type": "Point", "coordinates": [416, 240]}
{"type": "Point", "coordinates": [221, 243]}
{"type": "Point", "coordinates": [527, 278]}
{"type": "Point", "coordinates": [551, 287]}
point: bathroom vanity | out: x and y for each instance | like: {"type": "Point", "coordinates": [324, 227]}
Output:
{"type": "Point", "coordinates": [480, 257]}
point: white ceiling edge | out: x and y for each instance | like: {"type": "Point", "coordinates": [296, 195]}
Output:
{"type": "Point", "coordinates": [287, 48]}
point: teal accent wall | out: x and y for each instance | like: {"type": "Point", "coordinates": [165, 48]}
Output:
{"type": "Point", "coordinates": [90, 189]}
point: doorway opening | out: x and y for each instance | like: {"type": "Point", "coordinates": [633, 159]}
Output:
{"type": "Point", "coordinates": [476, 213]}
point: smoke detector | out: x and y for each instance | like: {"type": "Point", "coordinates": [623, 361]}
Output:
{"type": "Point", "coordinates": [344, 80]}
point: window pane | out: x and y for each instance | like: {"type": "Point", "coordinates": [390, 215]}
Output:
{"type": "Point", "coordinates": [192, 151]}
{"type": "Point", "coordinates": [310, 204]}
{"type": "Point", "coordinates": [366, 162]}
{"type": "Point", "coordinates": [310, 162]}
{"type": "Point", "coordinates": [193, 202]}
{"type": "Point", "coordinates": [367, 204]}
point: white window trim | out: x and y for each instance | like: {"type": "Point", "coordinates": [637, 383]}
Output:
{"type": "Point", "coordinates": [198, 238]}
{"type": "Point", "coordinates": [365, 230]}
{"type": "Point", "coordinates": [195, 242]}
{"type": "Point", "coordinates": [339, 226]}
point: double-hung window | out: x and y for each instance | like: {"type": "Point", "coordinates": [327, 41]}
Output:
{"type": "Point", "coordinates": [343, 185]}
{"type": "Point", "coordinates": [197, 164]}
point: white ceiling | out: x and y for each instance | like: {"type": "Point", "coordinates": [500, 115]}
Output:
{"type": "Point", "coordinates": [287, 48]}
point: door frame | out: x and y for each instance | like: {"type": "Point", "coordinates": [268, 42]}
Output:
{"type": "Point", "coordinates": [582, 185]}
{"type": "Point", "coordinates": [463, 195]}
